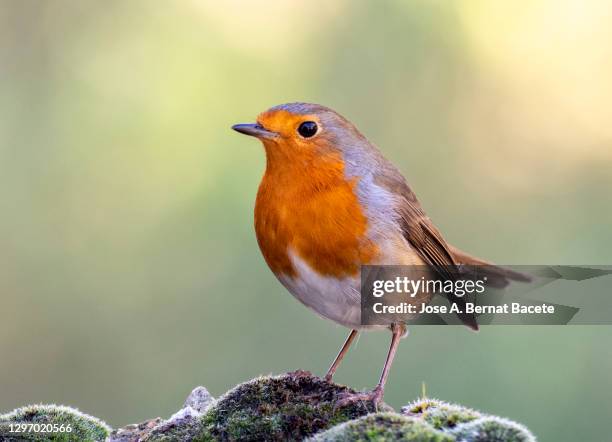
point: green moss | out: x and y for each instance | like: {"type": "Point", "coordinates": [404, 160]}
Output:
{"type": "Point", "coordinates": [420, 405]}
{"type": "Point", "coordinates": [383, 427]}
{"type": "Point", "coordinates": [84, 428]}
{"type": "Point", "coordinates": [291, 406]}
{"type": "Point", "coordinates": [441, 415]}
{"type": "Point", "coordinates": [492, 429]}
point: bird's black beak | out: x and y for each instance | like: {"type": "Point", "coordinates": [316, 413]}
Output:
{"type": "Point", "coordinates": [254, 130]}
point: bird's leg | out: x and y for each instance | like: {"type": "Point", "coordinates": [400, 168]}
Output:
{"type": "Point", "coordinates": [376, 394]}
{"type": "Point", "coordinates": [398, 331]}
{"type": "Point", "coordinates": [341, 354]}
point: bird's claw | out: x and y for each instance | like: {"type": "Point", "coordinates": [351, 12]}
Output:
{"type": "Point", "coordinates": [374, 396]}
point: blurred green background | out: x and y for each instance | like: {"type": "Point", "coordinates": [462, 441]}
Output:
{"type": "Point", "coordinates": [129, 270]}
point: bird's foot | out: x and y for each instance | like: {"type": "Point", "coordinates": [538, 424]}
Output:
{"type": "Point", "coordinates": [373, 396]}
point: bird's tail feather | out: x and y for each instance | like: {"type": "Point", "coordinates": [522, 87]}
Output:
{"type": "Point", "coordinates": [497, 276]}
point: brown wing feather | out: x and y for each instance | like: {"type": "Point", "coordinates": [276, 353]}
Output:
{"type": "Point", "coordinates": [424, 237]}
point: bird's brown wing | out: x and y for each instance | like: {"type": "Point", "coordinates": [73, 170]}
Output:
{"type": "Point", "coordinates": [424, 237]}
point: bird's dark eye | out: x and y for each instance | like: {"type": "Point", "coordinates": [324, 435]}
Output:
{"type": "Point", "coordinates": [307, 129]}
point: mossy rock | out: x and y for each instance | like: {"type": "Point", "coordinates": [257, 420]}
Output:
{"type": "Point", "coordinates": [383, 427]}
{"type": "Point", "coordinates": [293, 406]}
{"type": "Point", "coordinates": [135, 432]}
{"type": "Point", "coordinates": [287, 407]}
{"type": "Point", "coordinates": [83, 428]}
{"type": "Point", "coordinates": [440, 414]}
{"type": "Point", "coordinates": [186, 427]}
{"type": "Point", "coordinates": [465, 424]}
{"type": "Point", "coordinates": [492, 429]}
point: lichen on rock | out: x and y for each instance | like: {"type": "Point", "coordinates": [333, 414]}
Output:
{"type": "Point", "coordinates": [287, 407]}
{"type": "Point", "coordinates": [199, 400]}
{"type": "Point", "coordinates": [71, 425]}
{"type": "Point", "coordinates": [184, 425]}
{"type": "Point", "coordinates": [465, 424]}
{"type": "Point", "coordinates": [383, 427]}
{"type": "Point", "coordinates": [492, 429]}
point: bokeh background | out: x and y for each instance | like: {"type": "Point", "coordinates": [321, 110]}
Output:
{"type": "Point", "coordinates": [129, 270]}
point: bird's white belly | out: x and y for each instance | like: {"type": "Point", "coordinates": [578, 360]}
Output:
{"type": "Point", "coordinates": [336, 299]}
{"type": "Point", "coordinates": [339, 299]}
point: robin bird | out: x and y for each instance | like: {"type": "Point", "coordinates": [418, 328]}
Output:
{"type": "Point", "coordinates": [328, 203]}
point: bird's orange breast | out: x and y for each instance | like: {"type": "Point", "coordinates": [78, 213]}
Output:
{"type": "Point", "coordinates": [313, 212]}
